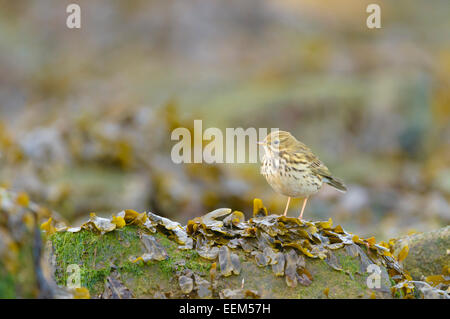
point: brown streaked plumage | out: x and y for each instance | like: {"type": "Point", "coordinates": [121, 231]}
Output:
{"type": "Point", "coordinates": [293, 170]}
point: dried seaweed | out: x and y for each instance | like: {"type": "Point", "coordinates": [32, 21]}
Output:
{"type": "Point", "coordinates": [291, 268]}
{"type": "Point", "coordinates": [229, 262]}
{"type": "Point", "coordinates": [174, 230]}
{"type": "Point", "coordinates": [154, 250]}
{"type": "Point", "coordinates": [186, 284]}
{"type": "Point", "coordinates": [238, 294]}
{"type": "Point", "coordinates": [114, 289]}
{"type": "Point", "coordinates": [99, 224]}
{"type": "Point", "coordinates": [203, 287]}
{"type": "Point", "coordinates": [280, 242]}
{"type": "Point", "coordinates": [332, 261]}
{"type": "Point", "coordinates": [279, 264]}
{"type": "Point", "coordinates": [261, 259]}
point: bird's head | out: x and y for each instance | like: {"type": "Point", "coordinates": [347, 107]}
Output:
{"type": "Point", "coordinates": [278, 141]}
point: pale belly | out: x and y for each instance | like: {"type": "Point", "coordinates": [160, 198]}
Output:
{"type": "Point", "coordinates": [290, 183]}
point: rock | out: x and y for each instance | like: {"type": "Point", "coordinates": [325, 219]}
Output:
{"type": "Point", "coordinates": [302, 258]}
{"type": "Point", "coordinates": [306, 277]}
{"type": "Point", "coordinates": [428, 252]}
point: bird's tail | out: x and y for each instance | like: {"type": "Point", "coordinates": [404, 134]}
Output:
{"type": "Point", "coordinates": [336, 183]}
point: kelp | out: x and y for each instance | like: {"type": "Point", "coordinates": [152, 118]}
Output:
{"type": "Point", "coordinates": [238, 294]}
{"type": "Point", "coordinates": [279, 242]}
{"type": "Point", "coordinates": [283, 242]}
{"type": "Point", "coordinates": [186, 284]}
{"type": "Point", "coordinates": [203, 287]}
{"type": "Point", "coordinates": [229, 262]}
{"type": "Point", "coordinates": [99, 224]}
{"type": "Point", "coordinates": [278, 264]}
{"type": "Point", "coordinates": [173, 229]}
{"type": "Point", "coordinates": [154, 250]}
{"type": "Point", "coordinates": [115, 289]}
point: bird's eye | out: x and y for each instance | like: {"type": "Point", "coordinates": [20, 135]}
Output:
{"type": "Point", "coordinates": [276, 142]}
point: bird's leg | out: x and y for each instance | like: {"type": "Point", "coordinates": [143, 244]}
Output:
{"type": "Point", "coordinates": [287, 206]}
{"type": "Point", "coordinates": [303, 207]}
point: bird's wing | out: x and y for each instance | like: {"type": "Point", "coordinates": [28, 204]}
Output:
{"type": "Point", "coordinates": [317, 167]}
{"type": "Point", "coordinates": [314, 163]}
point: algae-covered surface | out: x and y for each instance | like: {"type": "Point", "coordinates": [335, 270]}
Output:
{"type": "Point", "coordinates": [428, 254]}
{"type": "Point", "coordinates": [218, 255]}
{"type": "Point", "coordinates": [113, 254]}
{"type": "Point", "coordinates": [222, 255]}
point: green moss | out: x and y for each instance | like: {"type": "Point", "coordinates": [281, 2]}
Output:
{"type": "Point", "coordinates": [427, 253]}
{"type": "Point", "coordinates": [262, 279]}
{"type": "Point", "coordinates": [99, 255]}
{"type": "Point", "coordinates": [349, 263]}
{"type": "Point", "coordinates": [96, 254]}
{"type": "Point", "coordinates": [191, 258]}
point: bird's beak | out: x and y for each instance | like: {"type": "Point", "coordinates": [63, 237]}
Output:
{"type": "Point", "coordinates": [260, 143]}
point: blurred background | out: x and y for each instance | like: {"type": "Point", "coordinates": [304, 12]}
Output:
{"type": "Point", "coordinates": [86, 114]}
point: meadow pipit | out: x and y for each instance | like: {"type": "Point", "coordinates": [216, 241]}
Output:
{"type": "Point", "coordinates": [293, 170]}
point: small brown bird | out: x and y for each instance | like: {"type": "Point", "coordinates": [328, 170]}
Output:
{"type": "Point", "coordinates": [293, 170]}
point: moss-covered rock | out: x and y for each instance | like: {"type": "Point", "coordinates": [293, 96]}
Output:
{"type": "Point", "coordinates": [114, 254]}
{"type": "Point", "coordinates": [428, 252]}
{"type": "Point", "coordinates": [219, 254]}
